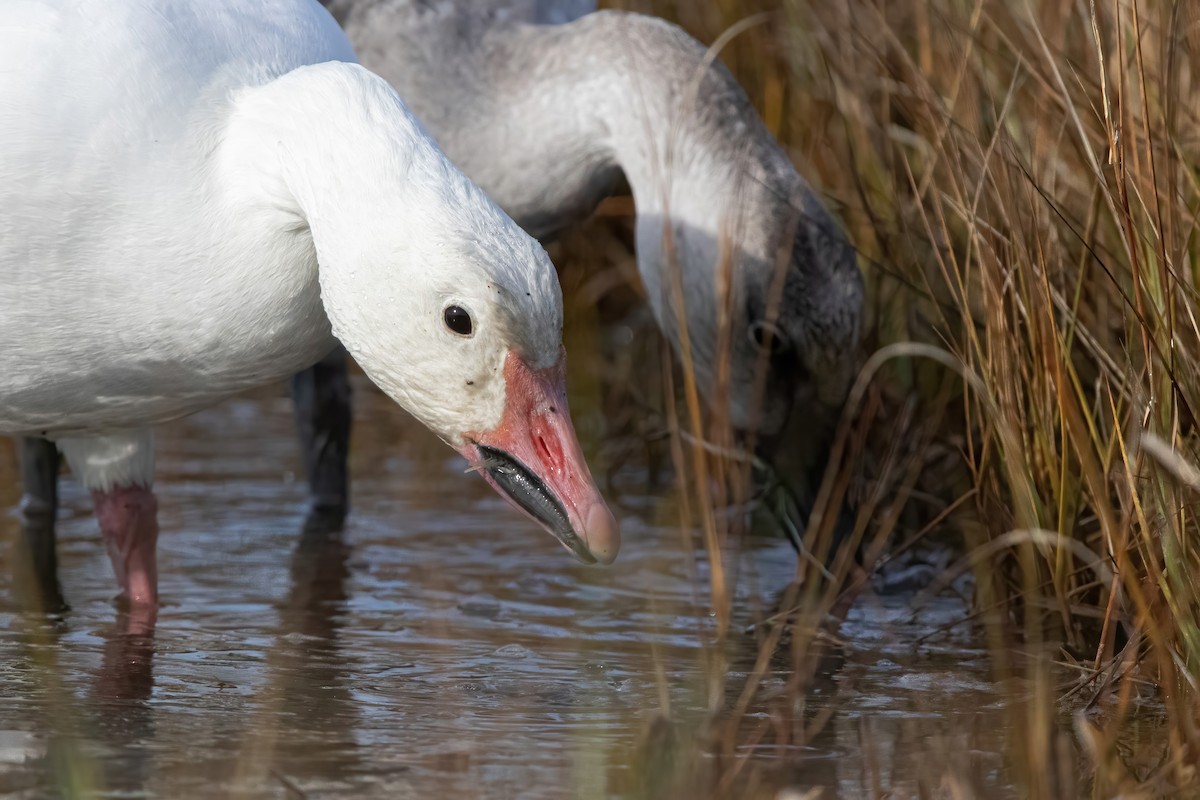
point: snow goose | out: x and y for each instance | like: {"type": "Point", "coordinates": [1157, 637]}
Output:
{"type": "Point", "coordinates": [546, 106]}
{"type": "Point", "coordinates": [198, 197]}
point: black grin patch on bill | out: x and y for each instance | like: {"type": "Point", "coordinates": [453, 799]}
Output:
{"type": "Point", "coordinates": [531, 494]}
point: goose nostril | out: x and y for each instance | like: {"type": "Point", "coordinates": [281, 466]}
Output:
{"type": "Point", "coordinates": [549, 452]}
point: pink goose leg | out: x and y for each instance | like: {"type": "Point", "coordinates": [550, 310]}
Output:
{"type": "Point", "coordinates": [128, 518]}
{"type": "Point", "coordinates": [118, 468]}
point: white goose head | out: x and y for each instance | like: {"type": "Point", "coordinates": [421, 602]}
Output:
{"type": "Point", "coordinates": [447, 305]}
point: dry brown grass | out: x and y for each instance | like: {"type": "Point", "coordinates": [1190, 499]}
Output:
{"type": "Point", "coordinates": [1021, 181]}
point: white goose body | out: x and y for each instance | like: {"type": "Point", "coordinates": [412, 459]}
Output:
{"type": "Point", "coordinates": [196, 197]}
{"type": "Point", "coordinates": [156, 291]}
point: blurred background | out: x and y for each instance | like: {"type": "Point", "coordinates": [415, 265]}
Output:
{"type": "Point", "coordinates": [1020, 181]}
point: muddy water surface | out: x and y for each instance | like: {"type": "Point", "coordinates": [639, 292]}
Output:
{"type": "Point", "coordinates": [439, 647]}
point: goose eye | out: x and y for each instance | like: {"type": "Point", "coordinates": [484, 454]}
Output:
{"type": "Point", "coordinates": [768, 337]}
{"type": "Point", "coordinates": [458, 320]}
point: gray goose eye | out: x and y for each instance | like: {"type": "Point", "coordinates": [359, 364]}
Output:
{"type": "Point", "coordinates": [769, 338]}
{"type": "Point", "coordinates": [458, 320]}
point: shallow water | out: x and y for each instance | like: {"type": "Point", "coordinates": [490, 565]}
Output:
{"type": "Point", "coordinates": [439, 647]}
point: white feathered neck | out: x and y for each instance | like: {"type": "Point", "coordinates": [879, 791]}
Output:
{"type": "Point", "coordinates": [399, 234]}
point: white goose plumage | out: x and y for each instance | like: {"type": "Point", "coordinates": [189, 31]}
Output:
{"type": "Point", "coordinates": [196, 197]}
